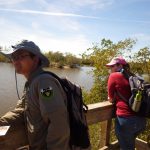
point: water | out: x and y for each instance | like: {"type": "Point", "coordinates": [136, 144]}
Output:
{"type": "Point", "coordinates": [8, 95]}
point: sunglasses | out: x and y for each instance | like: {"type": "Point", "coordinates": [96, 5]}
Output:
{"type": "Point", "coordinates": [19, 57]}
{"type": "Point", "coordinates": [112, 66]}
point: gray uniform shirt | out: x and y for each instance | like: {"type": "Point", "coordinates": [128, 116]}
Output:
{"type": "Point", "coordinates": [45, 113]}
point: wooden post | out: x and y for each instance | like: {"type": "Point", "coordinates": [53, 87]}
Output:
{"type": "Point", "coordinates": [105, 133]}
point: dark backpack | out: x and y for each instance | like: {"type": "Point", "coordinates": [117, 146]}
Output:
{"type": "Point", "coordinates": [138, 84]}
{"type": "Point", "coordinates": [79, 135]}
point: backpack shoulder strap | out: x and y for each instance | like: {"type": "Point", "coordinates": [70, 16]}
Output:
{"type": "Point", "coordinates": [133, 86]}
{"type": "Point", "coordinates": [67, 85]}
{"type": "Point", "coordinates": [55, 76]}
{"type": "Point", "coordinates": [52, 74]}
{"type": "Point", "coordinates": [122, 97]}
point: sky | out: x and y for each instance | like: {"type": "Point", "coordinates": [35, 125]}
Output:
{"type": "Point", "coordinates": [74, 25]}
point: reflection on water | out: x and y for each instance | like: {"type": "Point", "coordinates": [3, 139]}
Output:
{"type": "Point", "coordinates": [82, 76]}
{"type": "Point", "coordinates": [8, 95]}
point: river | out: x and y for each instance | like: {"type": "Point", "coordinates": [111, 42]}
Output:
{"type": "Point", "coordinates": [8, 97]}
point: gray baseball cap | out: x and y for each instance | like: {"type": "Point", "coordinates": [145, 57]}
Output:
{"type": "Point", "coordinates": [30, 47]}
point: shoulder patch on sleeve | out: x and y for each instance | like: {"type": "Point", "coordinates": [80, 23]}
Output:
{"type": "Point", "coordinates": [47, 92]}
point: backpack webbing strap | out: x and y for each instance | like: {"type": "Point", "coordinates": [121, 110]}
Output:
{"type": "Point", "coordinates": [122, 97]}
{"type": "Point", "coordinates": [56, 77]}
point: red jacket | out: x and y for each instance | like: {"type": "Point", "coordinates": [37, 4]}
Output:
{"type": "Point", "coordinates": [117, 82]}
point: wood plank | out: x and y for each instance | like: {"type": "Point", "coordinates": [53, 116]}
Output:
{"type": "Point", "coordinates": [141, 145]}
{"type": "Point", "coordinates": [105, 133]}
{"type": "Point", "coordinates": [99, 112]}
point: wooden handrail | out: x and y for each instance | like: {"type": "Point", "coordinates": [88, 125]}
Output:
{"type": "Point", "coordinates": [98, 112]}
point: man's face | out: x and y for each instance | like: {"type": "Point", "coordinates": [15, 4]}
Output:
{"type": "Point", "coordinates": [23, 62]}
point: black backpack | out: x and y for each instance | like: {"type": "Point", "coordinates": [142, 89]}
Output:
{"type": "Point", "coordinates": [138, 84]}
{"type": "Point", "coordinates": [79, 135]}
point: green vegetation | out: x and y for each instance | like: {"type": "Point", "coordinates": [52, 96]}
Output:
{"type": "Point", "coordinates": [58, 59]}
{"type": "Point", "coordinates": [100, 55]}
{"type": "Point", "coordinates": [3, 58]}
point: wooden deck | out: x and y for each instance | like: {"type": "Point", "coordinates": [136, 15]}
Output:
{"type": "Point", "coordinates": [98, 112]}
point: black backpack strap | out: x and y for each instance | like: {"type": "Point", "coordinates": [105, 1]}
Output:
{"type": "Point", "coordinates": [52, 74]}
{"type": "Point", "coordinates": [56, 77]}
{"type": "Point", "coordinates": [122, 97]}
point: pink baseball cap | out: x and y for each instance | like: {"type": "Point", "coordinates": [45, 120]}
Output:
{"type": "Point", "coordinates": [117, 60]}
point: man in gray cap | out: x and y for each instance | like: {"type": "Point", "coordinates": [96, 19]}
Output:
{"type": "Point", "coordinates": [43, 105]}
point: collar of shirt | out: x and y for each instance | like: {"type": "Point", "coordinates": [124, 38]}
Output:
{"type": "Point", "coordinates": [38, 71]}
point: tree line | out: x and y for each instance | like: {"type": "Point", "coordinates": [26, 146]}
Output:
{"type": "Point", "coordinates": [58, 59]}
{"type": "Point", "coordinates": [65, 59]}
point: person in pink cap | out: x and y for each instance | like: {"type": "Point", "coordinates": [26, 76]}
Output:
{"type": "Point", "coordinates": [127, 124]}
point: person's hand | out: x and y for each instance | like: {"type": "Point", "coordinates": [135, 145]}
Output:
{"type": "Point", "coordinates": [2, 142]}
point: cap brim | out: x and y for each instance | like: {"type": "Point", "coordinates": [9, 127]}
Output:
{"type": "Point", "coordinates": [44, 60]}
{"type": "Point", "coordinates": [110, 64]}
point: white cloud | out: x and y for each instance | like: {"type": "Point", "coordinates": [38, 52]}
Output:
{"type": "Point", "coordinates": [11, 2]}
{"type": "Point", "coordinates": [35, 25]}
{"type": "Point", "coordinates": [76, 44]}
{"type": "Point", "coordinates": [67, 24]}
{"type": "Point", "coordinates": [62, 21]}
{"type": "Point", "coordinates": [92, 3]}
{"type": "Point", "coordinates": [142, 37]}
{"type": "Point", "coordinates": [143, 40]}
{"type": "Point", "coordinates": [2, 21]}
{"type": "Point", "coordinates": [72, 6]}
{"type": "Point", "coordinates": [47, 13]}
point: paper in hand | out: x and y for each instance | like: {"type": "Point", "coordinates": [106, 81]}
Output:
{"type": "Point", "coordinates": [3, 130]}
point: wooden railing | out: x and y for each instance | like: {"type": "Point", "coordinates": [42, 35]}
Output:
{"type": "Point", "coordinates": [98, 112]}
{"type": "Point", "coordinates": [102, 112]}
